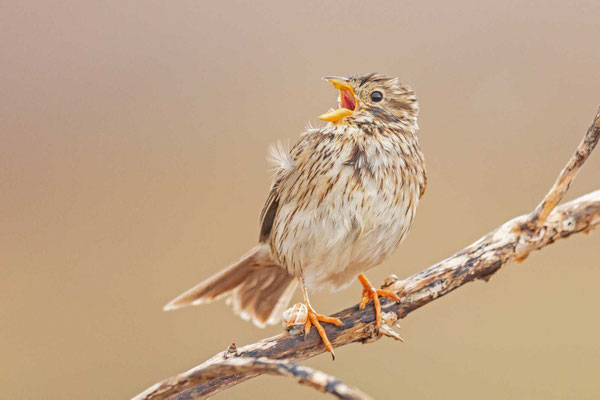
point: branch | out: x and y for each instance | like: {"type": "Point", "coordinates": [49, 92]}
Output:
{"type": "Point", "coordinates": [256, 366]}
{"type": "Point", "coordinates": [513, 241]}
{"type": "Point", "coordinates": [567, 175]}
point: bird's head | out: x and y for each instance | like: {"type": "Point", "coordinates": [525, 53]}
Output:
{"type": "Point", "coordinates": [372, 99]}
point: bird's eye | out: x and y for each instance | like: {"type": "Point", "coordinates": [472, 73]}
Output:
{"type": "Point", "coordinates": [376, 96]}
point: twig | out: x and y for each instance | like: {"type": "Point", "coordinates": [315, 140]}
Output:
{"type": "Point", "coordinates": [567, 175]}
{"type": "Point", "coordinates": [512, 241]}
{"type": "Point", "coordinates": [256, 366]}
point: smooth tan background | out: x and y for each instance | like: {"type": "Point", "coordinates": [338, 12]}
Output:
{"type": "Point", "coordinates": [132, 165]}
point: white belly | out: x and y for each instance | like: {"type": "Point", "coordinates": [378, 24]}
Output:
{"type": "Point", "coordinates": [357, 225]}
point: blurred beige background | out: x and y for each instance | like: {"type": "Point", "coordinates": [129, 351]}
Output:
{"type": "Point", "coordinates": [132, 150]}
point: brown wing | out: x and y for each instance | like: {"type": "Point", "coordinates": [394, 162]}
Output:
{"type": "Point", "coordinates": [424, 184]}
{"type": "Point", "coordinates": [267, 215]}
{"type": "Point", "coordinates": [287, 163]}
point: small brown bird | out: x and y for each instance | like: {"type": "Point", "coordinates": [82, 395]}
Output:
{"type": "Point", "coordinates": [342, 200]}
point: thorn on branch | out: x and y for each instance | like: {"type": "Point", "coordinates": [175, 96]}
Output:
{"type": "Point", "coordinates": [231, 351]}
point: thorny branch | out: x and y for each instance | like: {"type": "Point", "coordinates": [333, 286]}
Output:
{"type": "Point", "coordinates": [513, 241]}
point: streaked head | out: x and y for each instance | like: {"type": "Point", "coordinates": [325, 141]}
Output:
{"type": "Point", "coordinates": [371, 98]}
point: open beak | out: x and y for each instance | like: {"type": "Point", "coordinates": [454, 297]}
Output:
{"type": "Point", "coordinates": [348, 101]}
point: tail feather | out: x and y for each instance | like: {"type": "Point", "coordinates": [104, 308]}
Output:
{"type": "Point", "coordinates": [258, 289]}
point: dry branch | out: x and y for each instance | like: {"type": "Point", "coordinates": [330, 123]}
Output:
{"type": "Point", "coordinates": [302, 374]}
{"type": "Point", "coordinates": [513, 241]}
{"type": "Point", "coordinates": [567, 175]}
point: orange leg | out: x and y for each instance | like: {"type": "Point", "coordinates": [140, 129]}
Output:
{"type": "Point", "coordinates": [369, 292]}
{"type": "Point", "coordinates": [315, 319]}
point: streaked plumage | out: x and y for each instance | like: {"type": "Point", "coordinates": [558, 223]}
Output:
{"type": "Point", "coordinates": [342, 200]}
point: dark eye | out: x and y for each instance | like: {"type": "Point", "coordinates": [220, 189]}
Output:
{"type": "Point", "coordinates": [376, 96]}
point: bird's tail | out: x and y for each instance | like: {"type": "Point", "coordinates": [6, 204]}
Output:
{"type": "Point", "coordinates": [258, 289]}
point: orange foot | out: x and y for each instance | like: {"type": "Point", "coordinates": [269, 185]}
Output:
{"type": "Point", "coordinates": [315, 319]}
{"type": "Point", "coordinates": [369, 292]}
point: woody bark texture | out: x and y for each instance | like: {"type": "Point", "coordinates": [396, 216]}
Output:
{"type": "Point", "coordinates": [248, 365]}
{"type": "Point", "coordinates": [512, 241]}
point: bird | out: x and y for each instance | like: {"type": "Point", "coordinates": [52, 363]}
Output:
{"type": "Point", "coordinates": [342, 200]}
